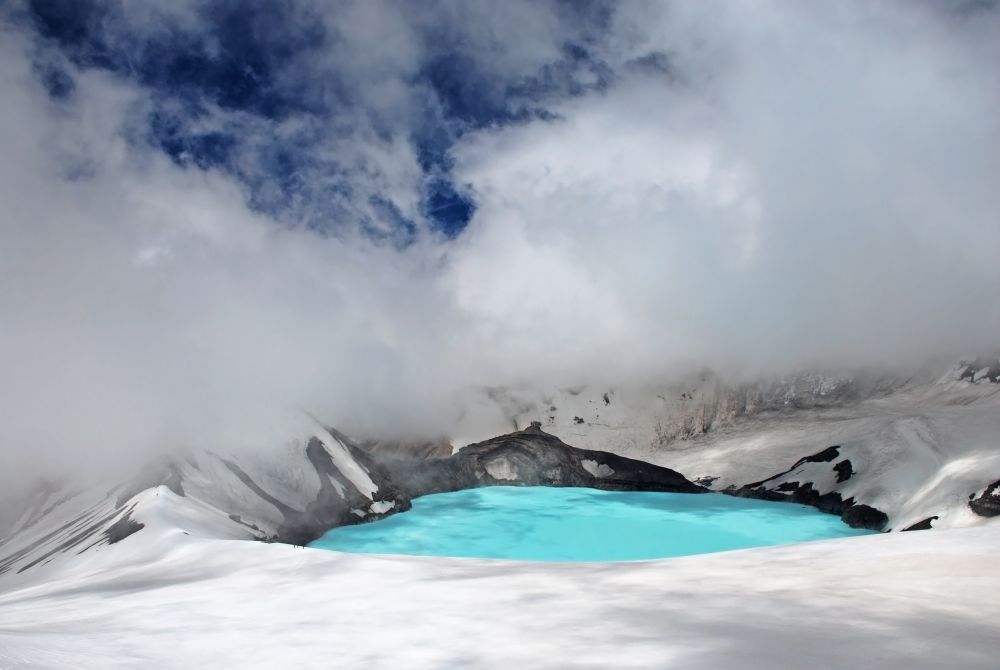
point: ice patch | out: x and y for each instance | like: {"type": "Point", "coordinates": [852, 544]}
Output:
{"type": "Point", "coordinates": [501, 468]}
{"type": "Point", "coordinates": [337, 485]}
{"type": "Point", "coordinates": [596, 469]}
{"type": "Point", "coordinates": [381, 506]}
{"type": "Point", "coordinates": [349, 467]}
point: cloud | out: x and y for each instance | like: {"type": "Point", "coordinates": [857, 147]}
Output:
{"type": "Point", "coordinates": [800, 186]}
{"type": "Point", "coordinates": [147, 307]}
{"type": "Point", "coordinates": [657, 187]}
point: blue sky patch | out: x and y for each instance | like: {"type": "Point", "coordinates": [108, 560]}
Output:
{"type": "Point", "coordinates": [228, 79]}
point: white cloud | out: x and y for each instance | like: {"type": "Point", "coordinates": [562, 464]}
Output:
{"type": "Point", "coordinates": [807, 186]}
{"type": "Point", "coordinates": [803, 185]}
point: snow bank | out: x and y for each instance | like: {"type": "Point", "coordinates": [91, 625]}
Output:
{"type": "Point", "coordinates": [914, 600]}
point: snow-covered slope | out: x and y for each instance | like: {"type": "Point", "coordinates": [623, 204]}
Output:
{"type": "Point", "coordinates": [164, 600]}
{"type": "Point", "coordinates": [915, 450]}
{"type": "Point", "coordinates": [157, 572]}
{"type": "Point", "coordinates": [919, 445]}
{"type": "Point", "coordinates": [913, 455]}
{"type": "Point", "coordinates": [308, 485]}
{"type": "Point", "coordinates": [641, 417]}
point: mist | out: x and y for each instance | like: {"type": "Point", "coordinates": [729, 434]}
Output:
{"type": "Point", "coordinates": [749, 187]}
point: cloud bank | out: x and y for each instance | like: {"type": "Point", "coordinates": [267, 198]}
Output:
{"type": "Point", "coordinates": [383, 205]}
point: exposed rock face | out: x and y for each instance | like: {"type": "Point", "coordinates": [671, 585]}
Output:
{"type": "Point", "coordinates": [924, 524]}
{"type": "Point", "coordinates": [344, 504]}
{"type": "Point", "coordinates": [532, 457]}
{"type": "Point", "coordinates": [84, 530]}
{"type": "Point", "coordinates": [988, 502]}
{"type": "Point", "coordinates": [863, 516]}
{"type": "Point", "coordinates": [844, 470]}
{"type": "Point", "coordinates": [122, 528]}
{"type": "Point", "coordinates": [333, 482]}
{"type": "Point", "coordinates": [797, 484]}
{"type": "Point", "coordinates": [292, 496]}
{"type": "Point", "coordinates": [980, 370]}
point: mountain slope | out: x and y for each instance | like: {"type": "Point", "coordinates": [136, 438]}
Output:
{"type": "Point", "coordinates": [293, 493]}
{"type": "Point", "coordinates": [914, 600]}
{"type": "Point", "coordinates": [154, 572]}
{"type": "Point", "coordinates": [916, 454]}
{"type": "Point", "coordinates": [919, 445]}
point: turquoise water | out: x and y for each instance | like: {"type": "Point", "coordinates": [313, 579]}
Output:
{"type": "Point", "coordinates": [576, 524]}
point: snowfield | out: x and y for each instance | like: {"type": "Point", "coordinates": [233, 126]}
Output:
{"type": "Point", "coordinates": [919, 449]}
{"type": "Point", "coordinates": [158, 573]}
{"type": "Point", "coordinates": [913, 600]}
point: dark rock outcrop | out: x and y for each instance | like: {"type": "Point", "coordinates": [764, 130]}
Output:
{"type": "Point", "coordinates": [844, 470]}
{"type": "Point", "coordinates": [286, 510]}
{"type": "Point", "coordinates": [532, 457]}
{"type": "Point", "coordinates": [331, 508]}
{"type": "Point", "coordinates": [980, 369]}
{"type": "Point", "coordinates": [825, 456]}
{"type": "Point", "coordinates": [988, 504]}
{"type": "Point", "coordinates": [852, 513]}
{"type": "Point", "coordinates": [923, 524]}
{"type": "Point", "coordinates": [864, 516]}
{"type": "Point", "coordinates": [122, 528]}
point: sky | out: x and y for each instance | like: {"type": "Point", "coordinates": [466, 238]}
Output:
{"type": "Point", "coordinates": [217, 215]}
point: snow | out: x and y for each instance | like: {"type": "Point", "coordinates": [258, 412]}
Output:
{"type": "Point", "coordinates": [919, 445]}
{"type": "Point", "coordinates": [916, 453]}
{"type": "Point", "coordinates": [596, 469]}
{"type": "Point", "coordinates": [189, 590]}
{"type": "Point", "coordinates": [349, 467]}
{"type": "Point", "coordinates": [501, 469]}
{"type": "Point", "coordinates": [381, 506]}
{"type": "Point", "coordinates": [337, 485]}
{"type": "Point", "coordinates": [236, 496]}
{"type": "Point", "coordinates": [914, 600]}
